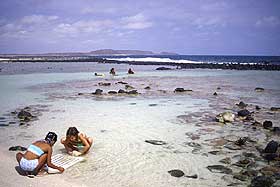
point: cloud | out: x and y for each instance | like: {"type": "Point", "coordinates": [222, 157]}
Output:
{"type": "Point", "coordinates": [201, 22]}
{"type": "Point", "coordinates": [216, 6]}
{"type": "Point", "coordinates": [138, 21]}
{"type": "Point", "coordinates": [268, 21]}
{"type": "Point", "coordinates": [37, 19]}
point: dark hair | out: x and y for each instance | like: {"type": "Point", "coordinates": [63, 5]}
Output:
{"type": "Point", "coordinates": [51, 136]}
{"type": "Point", "coordinates": [72, 131]}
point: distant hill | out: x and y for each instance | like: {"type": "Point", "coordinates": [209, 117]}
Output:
{"type": "Point", "coordinates": [100, 52]}
{"type": "Point", "coordinates": [127, 52]}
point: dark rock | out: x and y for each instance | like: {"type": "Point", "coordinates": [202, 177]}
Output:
{"type": "Point", "coordinates": [156, 142]}
{"type": "Point", "coordinates": [232, 146]}
{"type": "Point", "coordinates": [133, 92]}
{"type": "Point", "coordinates": [256, 123]}
{"type": "Point", "coordinates": [179, 90]}
{"type": "Point", "coordinates": [112, 92]}
{"type": "Point", "coordinates": [262, 181]}
{"type": "Point", "coordinates": [276, 109]}
{"type": "Point", "coordinates": [104, 84]}
{"type": "Point", "coordinates": [257, 107]}
{"type": "Point", "coordinates": [80, 94]}
{"type": "Point", "coordinates": [241, 104]}
{"type": "Point", "coordinates": [24, 114]}
{"type": "Point", "coordinates": [4, 124]}
{"type": "Point", "coordinates": [17, 148]}
{"type": "Point", "coordinates": [122, 91]}
{"type": "Point", "coordinates": [152, 104]}
{"type": "Point", "coordinates": [226, 160]}
{"type": "Point", "coordinates": [258, 89]}
{"type": "Point", "coordinates": [2, 118]}
{"type": "Point", "coordinates": [243, 113]}
{"type": "Point", "coordinates": [121, 82]}
{"type": "Point", "coordinates": [193, 144]}
{"type": "Point", "coordinates": [270, 170]}
{"type": "Point", "coordinates": [182, 90]}
{"type": "Point", "coordinates": [176, 173]}
{"type": "Point", "coordinates": [163, 68]}
{"type": "Point", "coordinates": [240, 177]}
{"type": "Point", "coordinates": [98, 92]}
{"type": "Point", "coordinates": [267, 124]}
{"type": "Point", "coordinates": [219, 169]}
{"type": "Point", "coordinates": [241, 141]}
{"type": "Point", "coordinates": [250, 173]}
{"type": "Point", "coordinates": [218, 88]}
{"type": "Point", "coordinates": [147, 88]}
{"type": "Point", "coordinates": [128, 87]}
{"type": "Point", "coordinates": [276, 129]}
{"type": "Point", "coordinates": [195, 176]}
{"type": "Point", "coordinates": [271, 147]}
{"type": "Point", "coordinates": [215, 94]}
{"type": "Point", "coordinates": [244, 163]}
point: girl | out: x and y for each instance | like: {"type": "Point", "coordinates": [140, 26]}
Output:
{"type": "Point", "coordinates": [37, 155]}
{"type": "Point", "coordinates": [76, 143]}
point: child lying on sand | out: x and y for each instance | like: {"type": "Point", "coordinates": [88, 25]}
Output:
{"type": "Point", "coordinates": [37, 155]}
{"type": "Point", "coordinates": [76, 143]}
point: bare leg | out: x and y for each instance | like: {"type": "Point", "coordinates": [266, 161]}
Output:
{"type": "Point", "coordinates": [89, 140]}
{"type": "Point", "coordinates": [41, 162]}
{"type": "Point", "coordinates": [19, 156]}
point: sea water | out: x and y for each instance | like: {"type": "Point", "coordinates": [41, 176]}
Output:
{"type": "Point", "coordinates": [119, 126]}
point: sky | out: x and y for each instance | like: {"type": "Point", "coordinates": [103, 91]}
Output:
{"type": "Point", "coordinates": [191, 27]}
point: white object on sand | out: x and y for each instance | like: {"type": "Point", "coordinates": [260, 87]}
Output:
{"type": "Point", "coordinates": [64, 161]}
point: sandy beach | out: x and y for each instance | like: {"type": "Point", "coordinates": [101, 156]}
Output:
{"type": "Point", "coordinates": [122, 125]}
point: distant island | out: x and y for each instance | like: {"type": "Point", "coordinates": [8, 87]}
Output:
{"type": "Point", "coordinates": [100, 52]}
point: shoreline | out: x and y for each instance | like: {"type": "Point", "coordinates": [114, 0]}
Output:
{"type": "Point", "coordinates": [226, 66]}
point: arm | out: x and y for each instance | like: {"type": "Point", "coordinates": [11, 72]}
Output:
{"type": "Point", "coordinates": [49, 163]}
{"type": "Point", "coordinates": [85, 142]}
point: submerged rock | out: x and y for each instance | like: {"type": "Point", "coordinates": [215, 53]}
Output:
{"type": "Point", "coordinates": [195, 176]}
{"type": "Point", "coordinates": [215, 94]}
{"type": "Point", "coordinates": [112, 92]}
{"type": "Point", "coordinates": [163, 68]}
{"type": "Point", "coordinates": [267, 124]}
{"type": "Point", "coordinates": [97, 92]}
{"type": "Point", "coordinates": [156, 142]}
{"type": "Point", "coordinates": [258, 89]}
{"type": "Point", "coordinates": [225, 117]}
{"type": "Point", "coordinates": [243, 113]}
{"type": "Point", "coordinates": [182, 90]}
{"type": "Point", "coordinates": [122, 91]}
{"type": "Point", "coordinates": [104, 84]}
{"type": "Point", "coordinates": [276, 109]}
{"type": "Point", "coordinates": [176, 173]}
{"type": "Point", "coordinates": [262, 181]}
{"type": "Point", "coordinates": [128, 87]}
{"type": "Point", "coordinates": [241, 104]}
{"type": "Point", "coordinates": [271, 147]}
{"type": "Point", "coordinates": [147, 88]}
{"type": "Point", "coordinates": [219, 169]}
{"type": "Point", "coordinates": [132, 92]}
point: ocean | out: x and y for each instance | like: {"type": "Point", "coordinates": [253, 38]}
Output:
{"type": "Point", "coordinates": [199, 59]}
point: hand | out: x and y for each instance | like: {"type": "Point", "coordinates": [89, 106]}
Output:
{"type": "Point", "coordinates": [76, 153]}
{"type": "Point", "coordinates": [61, 169]}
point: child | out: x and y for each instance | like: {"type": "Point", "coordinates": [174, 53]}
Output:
{"type": "Point", "coordinates": [76, 143]}
{"type": "Point", "coordinates": [37, 155]}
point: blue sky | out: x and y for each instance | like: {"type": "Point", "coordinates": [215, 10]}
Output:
{"type": "Point", "coordinates": [239, 27]}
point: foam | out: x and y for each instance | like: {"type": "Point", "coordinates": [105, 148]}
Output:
{"type": "Point", "coordinates": [153, 59]}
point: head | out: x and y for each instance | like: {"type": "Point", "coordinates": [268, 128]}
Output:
{"type": "Point", "coordinates": [72, 133]}
{"type": "Point", "coordinates": [51, 138]}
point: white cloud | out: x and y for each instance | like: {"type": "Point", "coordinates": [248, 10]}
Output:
{"type": "Point", "coordinates": [202, 22]}
{"type": "Point", "coordinates": [138, 21]}
{"type": "Point", "coordinates": [37, 19]}
{"type": "Point", "coordinates": [268, 21]}
{"type": "Point", "coordinates": [215, 6]}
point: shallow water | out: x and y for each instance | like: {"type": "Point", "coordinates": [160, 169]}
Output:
{"type": "Point", "coordinates": [120, 125]}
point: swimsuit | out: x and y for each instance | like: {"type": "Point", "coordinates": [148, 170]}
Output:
{"type": "Point", "coordinates": [36, 150]}
{"type": "Point", "coordinates": [30, 165]}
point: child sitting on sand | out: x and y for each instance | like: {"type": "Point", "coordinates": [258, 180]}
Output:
{"type": "Point", "coordinates": [76, 143]}
{"type": "Point", "coordinates": [37, 155]}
